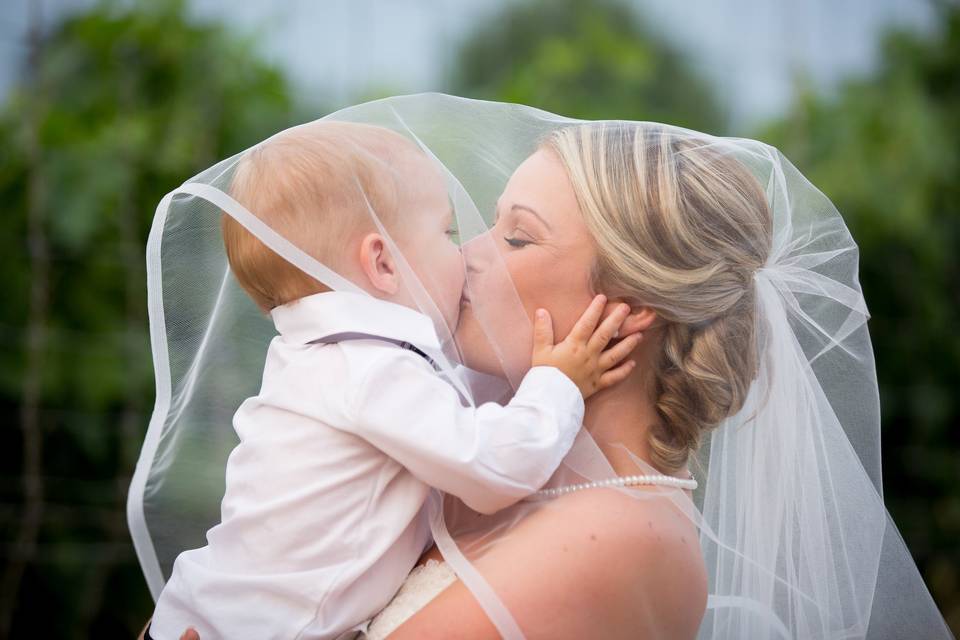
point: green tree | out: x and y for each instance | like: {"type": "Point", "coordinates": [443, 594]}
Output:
{"type": "Point", "coordinates": [118, 106]}
{"type": "Point", "coordinates": [886, 149]}
{"type": "Point", "coordinates": [584, 58]}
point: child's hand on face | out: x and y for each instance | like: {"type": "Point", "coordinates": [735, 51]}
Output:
{"type": "Point", "coordinates": [581, 355]}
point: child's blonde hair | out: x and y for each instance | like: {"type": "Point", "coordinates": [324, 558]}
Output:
{"type": "Point", "coordinates": [315, 185]}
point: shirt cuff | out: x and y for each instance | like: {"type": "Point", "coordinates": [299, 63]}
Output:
{"type": "Point", "coordinates": [558, 387]}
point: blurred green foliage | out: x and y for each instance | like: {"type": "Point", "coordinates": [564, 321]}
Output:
{"type": "Point", "coordinates": [886, 150]}
{"type": "Point", "coordinates": [591, 59]}
{"type": "Point", "coordinates": [118, 107]}
{"type": "Point", "coordinates": [121, 105]}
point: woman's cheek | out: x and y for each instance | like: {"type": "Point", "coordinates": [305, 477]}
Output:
{"type": "Point", "coordinates": [538, 288]}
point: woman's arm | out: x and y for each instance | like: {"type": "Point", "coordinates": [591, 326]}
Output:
{"type": "Point", "coordinates": [592, 564]}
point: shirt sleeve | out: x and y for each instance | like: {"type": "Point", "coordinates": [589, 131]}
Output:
{"type": "Point", "coordinates": [490, 456]}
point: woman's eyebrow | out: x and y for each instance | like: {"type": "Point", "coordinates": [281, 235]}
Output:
{"type": "Point", "coordinates": [524, 207]}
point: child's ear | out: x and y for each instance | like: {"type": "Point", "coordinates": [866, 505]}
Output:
{"type": "Point", "coordinates": [378, 264]}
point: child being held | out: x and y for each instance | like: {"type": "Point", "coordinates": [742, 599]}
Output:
{"type": "Point", "coordinates": [324, 512]}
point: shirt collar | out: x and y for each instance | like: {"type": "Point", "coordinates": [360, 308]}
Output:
{"type": "Point", "coordinates": [331, 313]}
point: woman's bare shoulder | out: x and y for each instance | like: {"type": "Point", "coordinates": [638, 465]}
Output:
{"type": "Point", "coordinates": [643, 555]}
{"type": "Point", "coordinates": [634, 517]}
{"type": "Point", "coordinates": [595, 563]}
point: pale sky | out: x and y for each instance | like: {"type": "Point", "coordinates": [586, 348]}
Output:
{"type": "Point", "coordinates": [339, 49]}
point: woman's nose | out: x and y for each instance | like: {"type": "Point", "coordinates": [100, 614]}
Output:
{"type": "Point", "coordinates": [477, 252]}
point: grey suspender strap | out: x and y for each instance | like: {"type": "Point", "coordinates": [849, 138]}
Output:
{"type": "Point", "coordinates": [340, 337]}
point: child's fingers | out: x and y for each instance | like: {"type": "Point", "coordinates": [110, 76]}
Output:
{"type": "Point", "coordinates": [542, 330]}
{"type": "Point", "coordinates": [614, 376]}
{"type": "Point", "coordinates": [608, 328]}
{"type": "Point", "coordinates": [615, 354]}
{"type": "Point", "coordinates": [584, 327]}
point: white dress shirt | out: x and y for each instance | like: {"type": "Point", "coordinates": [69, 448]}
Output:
{"type": "Point", "coordinates": [324, 511]}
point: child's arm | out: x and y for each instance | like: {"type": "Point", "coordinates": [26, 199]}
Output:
{"type": "Point", "coordinates": [489, 456]}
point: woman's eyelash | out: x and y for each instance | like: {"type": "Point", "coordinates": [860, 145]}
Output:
{"type": "Point", "coordinates": [516, 243]}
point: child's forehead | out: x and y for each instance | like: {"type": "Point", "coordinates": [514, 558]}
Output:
{"type": "Point", "coordinates": [419, 171]}
{"type": "Point", "coordinates": [418, 162]}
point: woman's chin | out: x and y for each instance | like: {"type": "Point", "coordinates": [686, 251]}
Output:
{"type": "Point", "coordinates": [475, 349]}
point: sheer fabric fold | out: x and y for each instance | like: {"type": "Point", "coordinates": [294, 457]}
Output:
{"type": "Point", "coordinates": [793, 528]}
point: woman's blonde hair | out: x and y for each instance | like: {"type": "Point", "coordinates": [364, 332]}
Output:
{"type": "Point", "coordinates": [681, 226]}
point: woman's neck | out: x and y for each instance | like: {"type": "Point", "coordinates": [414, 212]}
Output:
{"type": "Point", "coordinates": [621, 417]}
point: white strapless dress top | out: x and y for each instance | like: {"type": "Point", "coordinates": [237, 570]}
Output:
{"type": "Point", "coordinates": [422, 585]}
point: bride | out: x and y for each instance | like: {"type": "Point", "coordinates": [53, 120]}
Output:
{"type": "Point", "coordinates": [730, 487]}
{"type": "Point", "coordinates": [634, 565]}
{"type": "Point", "coordinates": [677, 225]}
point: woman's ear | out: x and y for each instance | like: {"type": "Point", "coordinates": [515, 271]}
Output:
{"type": "Point", "coordinates": [378, 265]}
{"type": "Point", "coordinates": [640, 319]}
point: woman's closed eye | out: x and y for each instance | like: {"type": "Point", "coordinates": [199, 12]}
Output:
{"type": "Point", "coordinates": [516, 243]}
{"type": "Point", "coordinates": [512, 238]}
{"type": "Point", "coordinates": [518, 237]}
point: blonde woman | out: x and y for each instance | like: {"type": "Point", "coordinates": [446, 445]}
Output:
{"type": "Point", "coordinates": [728, 259]}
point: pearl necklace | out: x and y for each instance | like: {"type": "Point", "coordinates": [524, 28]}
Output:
{"type": "Point", "coordinates": [621, 481]}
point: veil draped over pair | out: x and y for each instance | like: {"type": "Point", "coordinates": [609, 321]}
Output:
{"type": "Point", "coordinates": [793, 528]}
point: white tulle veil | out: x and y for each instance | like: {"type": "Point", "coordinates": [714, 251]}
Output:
{"type": "Point", "coordinates": [793, 529]}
